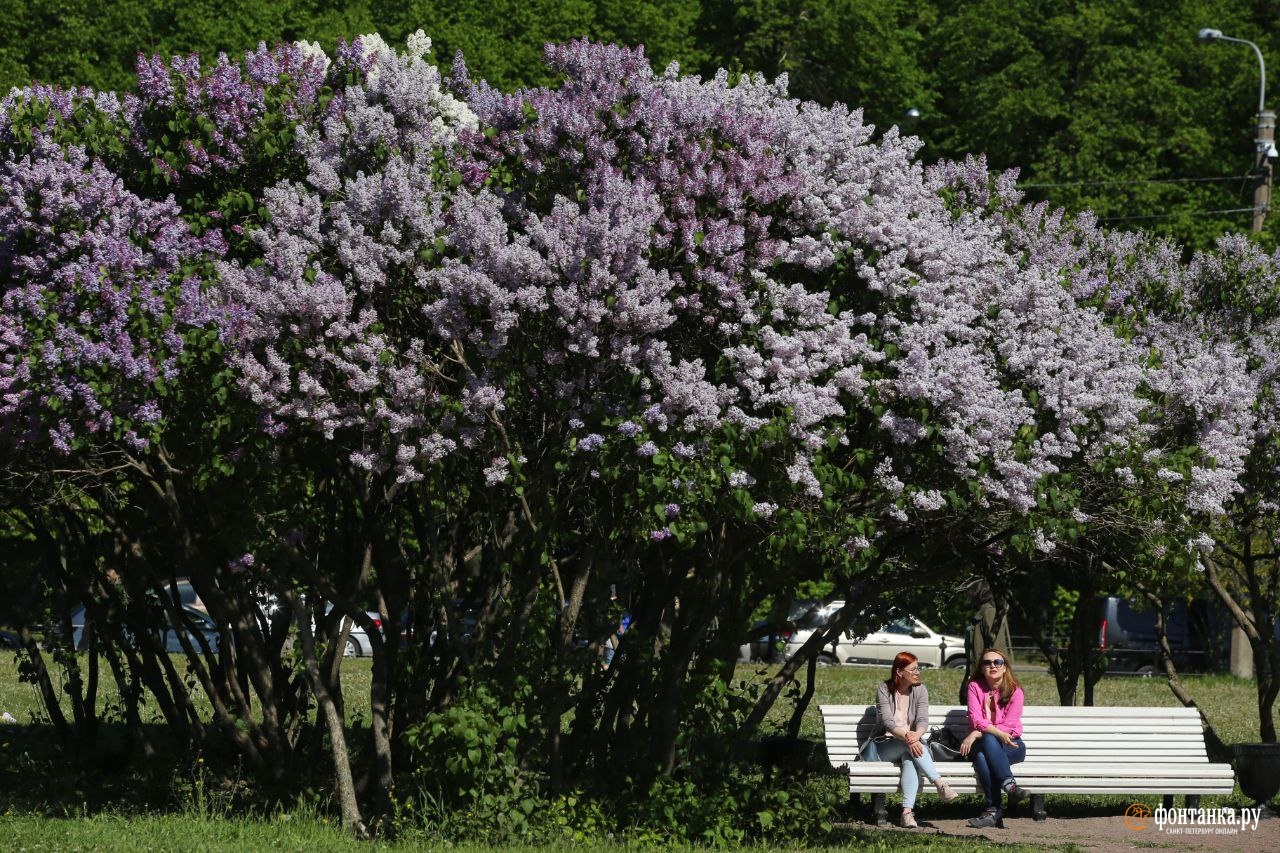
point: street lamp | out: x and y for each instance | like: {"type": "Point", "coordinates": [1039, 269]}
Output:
{"type": "Point", "coordinates": [1265, 140]}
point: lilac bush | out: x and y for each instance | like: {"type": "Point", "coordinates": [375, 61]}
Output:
{"type": "Point", "coordinates": [669, 251]}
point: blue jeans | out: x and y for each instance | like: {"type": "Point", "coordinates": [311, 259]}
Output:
{"type": "Point", "coordinates": [913, 766]}
{"type": "Point", "coordinates": [992, 760]}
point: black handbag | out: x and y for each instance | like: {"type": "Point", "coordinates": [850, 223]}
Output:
{"type": "Point", "coordinates": [943, 744]}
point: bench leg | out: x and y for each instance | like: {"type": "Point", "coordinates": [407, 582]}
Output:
{"type": "Point", "coordinates": [878, 807]}
{"type": "Point", "coordinates": [1193, 801]}
{"type": "Point", "coordinates": [1167, 801]}
{"type": "Point", "coordinates": [1037, 807]}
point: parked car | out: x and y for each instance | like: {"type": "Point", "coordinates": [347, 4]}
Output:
{"type": "Point", "coordinates": [1127, 635]}
{"type": "Point", "coordinates": [358, 643]}
{"type": "Point", "coordinates": [187, 595]}
{"type": "Point", "coordinates": [170, 635]}
{"type": "Point", "coordinates": [10, 640]}
{"type": "Point", "coordinates": [903, 634]}
{"type": "Point", "coordinates": [769, 642]}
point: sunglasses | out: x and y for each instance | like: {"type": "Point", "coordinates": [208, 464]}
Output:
{"type": "Point", "coordinates": [914, 670]}
{"type": "Point", "coordinates": [993, 662]}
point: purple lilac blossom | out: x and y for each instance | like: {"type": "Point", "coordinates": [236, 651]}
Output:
{"type": "Point", "coordinates": [92, 298]}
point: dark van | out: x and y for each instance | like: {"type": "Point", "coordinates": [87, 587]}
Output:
{"type": "Point", "coordinates": [1198, 637]}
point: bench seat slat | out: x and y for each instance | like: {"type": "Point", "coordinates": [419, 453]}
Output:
{"type": "Point", "coordinates": [1155, 765]}
{"type": "Point", "coordinates": [891, 787]}
{"type": "Point", "coordinates": [1027, 770]}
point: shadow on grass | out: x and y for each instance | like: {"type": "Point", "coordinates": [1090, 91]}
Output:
{"type": "Point", "coordinates": [39, 776]}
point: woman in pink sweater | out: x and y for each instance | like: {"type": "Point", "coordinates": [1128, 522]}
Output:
{"type": "Point", "coordinates": [995, 741]}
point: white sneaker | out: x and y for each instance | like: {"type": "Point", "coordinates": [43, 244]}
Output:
{"type": "Point", "coordinates": [909, 820]}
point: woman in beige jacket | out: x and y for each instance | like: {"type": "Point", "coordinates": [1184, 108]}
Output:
{"type": "Point", "coordinates": [902, 717]}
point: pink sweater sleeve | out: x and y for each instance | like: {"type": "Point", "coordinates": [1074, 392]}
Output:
{"type": "Point", "coordinates": [1013, 714]}
{"type": "Point", "coordinates": [978, 721]}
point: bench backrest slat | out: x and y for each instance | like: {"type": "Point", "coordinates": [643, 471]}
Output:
{"type": "Point", "coordinates": [1083, 734]}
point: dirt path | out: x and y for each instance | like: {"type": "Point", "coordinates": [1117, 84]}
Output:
{"type": "Point", "coordinates": [1112, 832]}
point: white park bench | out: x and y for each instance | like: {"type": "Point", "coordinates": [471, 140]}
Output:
{"type": "Point", "coordinates": [1070, 750]}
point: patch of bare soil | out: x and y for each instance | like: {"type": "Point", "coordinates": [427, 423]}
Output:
{"type": "Point", "coordinates": [1113, 832]}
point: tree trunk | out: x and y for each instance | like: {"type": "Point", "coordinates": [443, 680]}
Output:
{"type": "Point", "coordinates": [1262, 647]}
{"type": "Point", "coordinates": [816, 642]}
{"type": "Point", "coordinates": [1218, 751]}
{"type": "Point", "coordinates": [558, 686]}
{"type": "Point", "coordinates": [343, 781]}
{"type": "Point", "coordinates": [802, 704]}
{"type": "Point", "coordinates": [45, 685]}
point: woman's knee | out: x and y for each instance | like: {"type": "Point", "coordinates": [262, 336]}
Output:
{"type": "Point", "coordinates": [991, 745]}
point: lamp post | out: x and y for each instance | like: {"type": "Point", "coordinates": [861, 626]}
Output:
{"type": "Point", "coordinates": [1266, 131]}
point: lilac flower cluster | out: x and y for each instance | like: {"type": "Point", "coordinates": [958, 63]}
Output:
{"type": "Point", "coordinates": [94, 300]}
{"type": "Point", "coordinates": [309, 323]}
{"type": "Point", "coordinates": [230, 101]}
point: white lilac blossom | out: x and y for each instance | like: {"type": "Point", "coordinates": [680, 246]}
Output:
{"type": "Point", "coordinates": [928, 500]}
{"type": "Point", "coordinates": [1042, 542]}
{"type": "Point", "coordinates": [497, 472]}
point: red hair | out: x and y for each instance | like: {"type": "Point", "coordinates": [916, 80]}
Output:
{"type": "Point", "coordinates": [900, 662]}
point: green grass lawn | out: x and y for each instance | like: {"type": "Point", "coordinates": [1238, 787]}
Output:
{"type": "Point", "coordinates": [196, 835]}
{"type": "Point", "coordinates": [38, 813]}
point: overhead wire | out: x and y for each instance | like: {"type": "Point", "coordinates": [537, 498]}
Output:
{"type": "Point", "coordinates": [1151, 216]}
{"type": "Point", "coordinates": [1180, 214]}
{"type": "Point", "coordinates": [1130, 182]}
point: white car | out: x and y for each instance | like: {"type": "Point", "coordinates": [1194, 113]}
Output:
{"type": "Point", "coordinates": [904, 634]}
{"type": "Point", "coordinates": [358, 642]}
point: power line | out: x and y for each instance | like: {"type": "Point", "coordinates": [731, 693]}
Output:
{"type": "Point", "coordinates": [1131, 182]}
{"type": "Point", "coordinates": [1177, 215]}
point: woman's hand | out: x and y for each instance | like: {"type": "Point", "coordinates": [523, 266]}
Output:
{"type": "Point", "coordinates": [967, 743]}
{"type": "Point", "coordinates": [914, 746]}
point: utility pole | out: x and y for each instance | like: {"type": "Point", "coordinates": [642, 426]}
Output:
{"type": "Point", "coordinates": [1266, 147]}
{"type": "Point", "coordinates": [1241, 658]}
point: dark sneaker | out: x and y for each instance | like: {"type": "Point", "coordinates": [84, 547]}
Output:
{"type": "Point", "coordinates": [989, 818]}
{"type": "Point", "coordinates": [1015, 793]}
